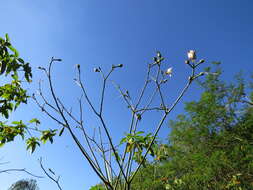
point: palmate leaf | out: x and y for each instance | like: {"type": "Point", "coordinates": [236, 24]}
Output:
{"type": "Point", "coordinates": [32, 143]}
{"type": "Point", "coordinates": [48, 135]}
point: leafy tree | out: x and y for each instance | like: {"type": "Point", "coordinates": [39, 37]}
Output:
{"type": "Point", "coordinates": [24, 185]}
{"type": "Point", "coordinates": [12, 94]}
{"type": "Point", "coordinates": [210, 146]}
{"type": "Point", "coordinates": [16, 72]}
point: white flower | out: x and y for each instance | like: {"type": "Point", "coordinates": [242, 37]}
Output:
{"type": "Point", "coordinates": [191, 55]}
{"type": "Point", "coordinates": [169, 71]}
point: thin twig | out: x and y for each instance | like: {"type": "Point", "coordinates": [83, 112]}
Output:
{"type": "Point", "coordinates": [49, 176]}
{"type": "Point", "coordinates": [103, 91]}
{"type": "Point", "coordinates": [144, 88]}
{"type": "Point", "coordinates": [20, 170]}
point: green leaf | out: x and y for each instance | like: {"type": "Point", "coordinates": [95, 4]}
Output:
{"type": "Point", "coordinates": [14, 51]}
{"type": "Point", "coordinates": [32, 143]}
{"type": "Point", "coordinates": [51, 140]}
{"type": "Point", "coordinates": [1, 144]}
{"type": "Point", "coordinates": [3, 67]}
{"type": "Point", "coordinates": [5, 113]}
{"type": "Point", "coordinates": [7, 37]}
{"type": "Point", "coordinates": [34, 120]}
{"type": "Point", "coordinates": [21, 60]}
{"type": "Point", "coordinates": [16, 122]}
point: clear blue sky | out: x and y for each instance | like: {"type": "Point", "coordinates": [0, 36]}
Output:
{"type": "Point", "coordinates": [100, 33]}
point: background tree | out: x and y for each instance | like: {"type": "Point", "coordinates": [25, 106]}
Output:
{"type": "Point", "coordinates": [24, 185]}
{"type": "Point", "coordinates": [210, 146]}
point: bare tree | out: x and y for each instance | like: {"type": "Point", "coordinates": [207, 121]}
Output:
{"type": "Point", "coordinates": [115, 166]}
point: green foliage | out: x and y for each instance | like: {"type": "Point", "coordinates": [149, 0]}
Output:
{"type": "Point", "coordinates": [97, 187]}
{"type": "Point", "coordinates": [138, 142]}
{"type": "Point", "coordinates": [150, 177]}
{"type": "Point", "coordinates": [9, 132]}
{"type": "Point", "coordinates": [34, 120]}
{"type": "Point", "coordinates": [12, 94]}
{"type": "Point", "coordinates": [210, 146]}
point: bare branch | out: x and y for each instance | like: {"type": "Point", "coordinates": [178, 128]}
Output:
{"type": "Point", "coordinates": [45, 100]}
{"type": "Point", "coordinates": [103, 90]}
{"type": "Point", "coordinates": [129, 104]}
{"type": "Point", "coordinates": [81, 148]}
{"type": "Point", "coordinates": [160, 125]}
{"type": "Point", "coordinates": [20, 170]}
{"type": "Point", "coordinates": [144, 88]}
{"type": "Point", "coordinates": [79, 81]}
{"type": "Point", "coordinates": [68, 112]}
{"type": "Point", "coordinates": [247, 102]}
{"type": "Point", "coordinates": [54, 179]}
{"type": "Point", "coordinates": [48, 114]}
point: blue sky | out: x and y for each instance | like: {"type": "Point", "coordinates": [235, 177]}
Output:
{"type": "Point", "coordinates": [100, 33]}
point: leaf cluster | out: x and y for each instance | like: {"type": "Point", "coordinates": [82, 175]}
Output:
{"type": "Point", "coordinates": [138, 142]}
{"type": "Point", "coordinates": [16, 72]}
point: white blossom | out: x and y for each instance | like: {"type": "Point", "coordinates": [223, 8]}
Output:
{"type": "Point", "coordinates": [191, 55]}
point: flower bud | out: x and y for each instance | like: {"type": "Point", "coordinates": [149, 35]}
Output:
{"type": "Point", "coordinates": [57, 59]}
{"type": "Point", "coordinates": [96, 70]}
{"type": "Point", "coordinates": [201, 73]}
{"type": "Point", "coordinates": [159, 54]}
{"type": "Point", "coordinates": [41, 68]}
{"type": "Point", "coordinates": [202, 61]}
{"type": "Point", "coordinates": [169, 71]}
{"type": "Point", "coordinates": [164, 81]}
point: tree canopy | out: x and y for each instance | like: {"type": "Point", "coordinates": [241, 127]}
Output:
{"type": "Point", "coordinates": [210, 145]}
